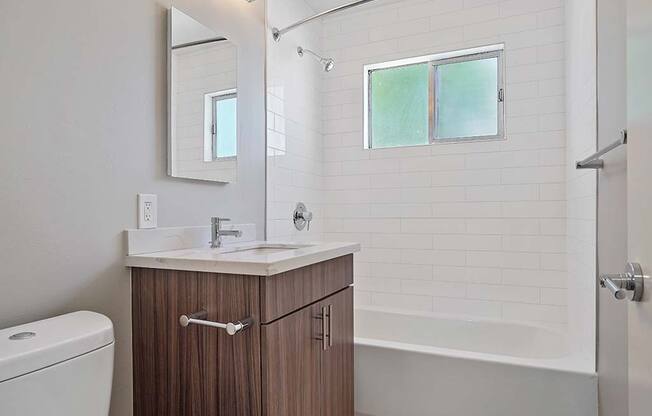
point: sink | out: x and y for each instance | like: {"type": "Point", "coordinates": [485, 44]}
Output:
{"type": "Point", "coordinates": [264, 249]}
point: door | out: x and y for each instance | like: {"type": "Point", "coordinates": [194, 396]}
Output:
{"type": "Point", "coordinates": [639, 198]}
{"type": "Point", "coordinates": [291, 354]}
{"type": "Point", "coordinates": [337, 358]}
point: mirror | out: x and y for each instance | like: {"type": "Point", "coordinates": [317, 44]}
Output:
{"type": "Point", "coordinates": [203, 102]}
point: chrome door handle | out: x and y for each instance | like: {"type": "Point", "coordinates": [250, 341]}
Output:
{"type": "Point", "coordinates": [632, 281]}
{"type": "Point", "coordinates": [231, 328]}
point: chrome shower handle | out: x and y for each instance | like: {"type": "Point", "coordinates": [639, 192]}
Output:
{"type": "Point", "coordinates": [301, 217]}
{"type": "Point", "coordinates": [231, 328]}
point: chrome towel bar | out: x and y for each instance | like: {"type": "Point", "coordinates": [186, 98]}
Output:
{"type": "Point", "coordinates": [231, 328]}
{"type": "Point", "coordinates": [594, 161]}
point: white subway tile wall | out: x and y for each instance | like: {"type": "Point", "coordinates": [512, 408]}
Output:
{"type": "Point", "coordinates": [471, 228]}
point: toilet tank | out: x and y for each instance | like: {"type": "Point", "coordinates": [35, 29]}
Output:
{"type": "Point", "coordinates": [58, 366]}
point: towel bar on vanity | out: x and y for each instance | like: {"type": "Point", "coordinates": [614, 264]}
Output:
{"type": "Point", "coordinates": [594, 161]}
{"type": "Point", "coordinates": [231, 328]}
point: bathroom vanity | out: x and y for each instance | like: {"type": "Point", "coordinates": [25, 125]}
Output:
{"type": "Point", "coordinates": [290, 310]}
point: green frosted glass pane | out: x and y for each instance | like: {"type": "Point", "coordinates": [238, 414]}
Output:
{"type": "Point", "coordinates": [226, 117]}
{"type": "Point", "coordinates": [467, 98]}
{"type": "Point", "coordinates": [399, 106]}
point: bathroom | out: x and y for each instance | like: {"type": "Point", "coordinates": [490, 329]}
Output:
{"type": "Point", "coordinates": [441, 188]}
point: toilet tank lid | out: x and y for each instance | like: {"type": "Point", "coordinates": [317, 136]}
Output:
{"type": "Point", "coordinates": [34, 346]}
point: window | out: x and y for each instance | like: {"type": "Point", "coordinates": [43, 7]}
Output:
{"type": "Point", "coordinates": [221, 120]}
{"type": "Point", "coordinates": [455, 96]}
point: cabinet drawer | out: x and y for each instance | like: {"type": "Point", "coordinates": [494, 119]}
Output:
{"type": "Point", "coordinates": [286, 292]}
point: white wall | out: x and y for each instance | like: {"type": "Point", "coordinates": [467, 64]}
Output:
{"type": "Point", "coordinates": [82, 128]}
{"type": "Point", "coordinates": [475, 228]}
{"type": "Point", "coordinates": [581, 191]}
{"type": "Point", "coordinates": [294, 138]}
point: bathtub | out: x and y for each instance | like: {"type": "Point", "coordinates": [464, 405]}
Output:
{"type": "Point", "coordinates": [423, 365]}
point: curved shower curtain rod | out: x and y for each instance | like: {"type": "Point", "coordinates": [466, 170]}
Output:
{"type": "Point", "coordinates": [277, 33]}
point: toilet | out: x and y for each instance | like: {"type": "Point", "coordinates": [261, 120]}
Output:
{"type": "Point", "coordinates": [58, 366]}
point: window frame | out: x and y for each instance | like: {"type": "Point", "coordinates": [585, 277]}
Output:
{"type": "Point", "coordinates": [434, 61]}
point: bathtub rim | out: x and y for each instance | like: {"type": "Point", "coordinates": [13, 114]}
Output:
{"type": "Point", "coordinates": [565, 363]}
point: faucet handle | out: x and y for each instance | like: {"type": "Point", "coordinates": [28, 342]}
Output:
{"type": "Point", "coordinates": [218, 220]}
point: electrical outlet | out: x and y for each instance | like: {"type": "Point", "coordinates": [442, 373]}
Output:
{"type": "Point", "coordinates": [147, 211]}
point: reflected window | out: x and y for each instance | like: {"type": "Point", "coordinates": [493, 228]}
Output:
{"type": "Point", "coordinates": [223, 124]}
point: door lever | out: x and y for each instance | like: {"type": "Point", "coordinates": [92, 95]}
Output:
{"type": "Point", "coordinates": [633, 281]}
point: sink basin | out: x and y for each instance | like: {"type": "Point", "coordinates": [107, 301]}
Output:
{"type": "Point", "coordinates": [265, 249]}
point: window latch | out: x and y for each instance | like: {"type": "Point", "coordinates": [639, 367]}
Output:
{"type": "Point", "coordinates": [501, 95]}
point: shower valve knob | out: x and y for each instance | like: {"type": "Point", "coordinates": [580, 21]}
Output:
{"type": "Point", "coordinates": [301, 217]}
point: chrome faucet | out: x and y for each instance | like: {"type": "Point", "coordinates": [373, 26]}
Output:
{"type": "Point", "coordinates": [217, 232]}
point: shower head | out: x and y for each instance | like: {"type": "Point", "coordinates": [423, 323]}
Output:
{"type": "Point", "coordinates": [328, 63]}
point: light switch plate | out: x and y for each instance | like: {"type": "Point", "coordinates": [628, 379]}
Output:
{"type": "Point", "coordinates": [147, 211]}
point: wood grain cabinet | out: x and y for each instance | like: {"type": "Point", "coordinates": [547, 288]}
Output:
{"type": "Point", "coordinates": [296, 358]}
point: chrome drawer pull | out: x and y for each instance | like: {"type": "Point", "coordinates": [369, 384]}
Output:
{"type": "Point", "coordinates": [324, 328]}
{"type": "Point", "coordinates": [231, 328]}
{"type": "Point", "coordinates": [330, 326]}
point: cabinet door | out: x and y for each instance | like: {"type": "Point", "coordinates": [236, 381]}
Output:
{"type": "Point", "coordinates": [291, 354]}
{"type": "Point", "coordinates": [194, 371]}
{"type": "Point", "coordinates": [337, 359]}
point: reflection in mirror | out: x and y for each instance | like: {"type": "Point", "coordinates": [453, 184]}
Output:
{"type": "Point", "coordinates": [203, 124]}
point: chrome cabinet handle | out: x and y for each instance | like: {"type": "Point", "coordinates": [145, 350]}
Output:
{"type": "Point", "coordinates": [633, 280]}
{"type": "Point", "coordinates": [325, 335]}
{"type": "Point", "coordinates": [231, 328]}
{"type": "Point", "coordinates": [330, 326]}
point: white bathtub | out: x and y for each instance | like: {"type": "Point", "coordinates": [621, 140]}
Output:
{"type": "Point", "coordinates": [422, 365]}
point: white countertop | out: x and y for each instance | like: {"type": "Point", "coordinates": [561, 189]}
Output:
{"type": "Point", "coordinates": [256, 258]}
